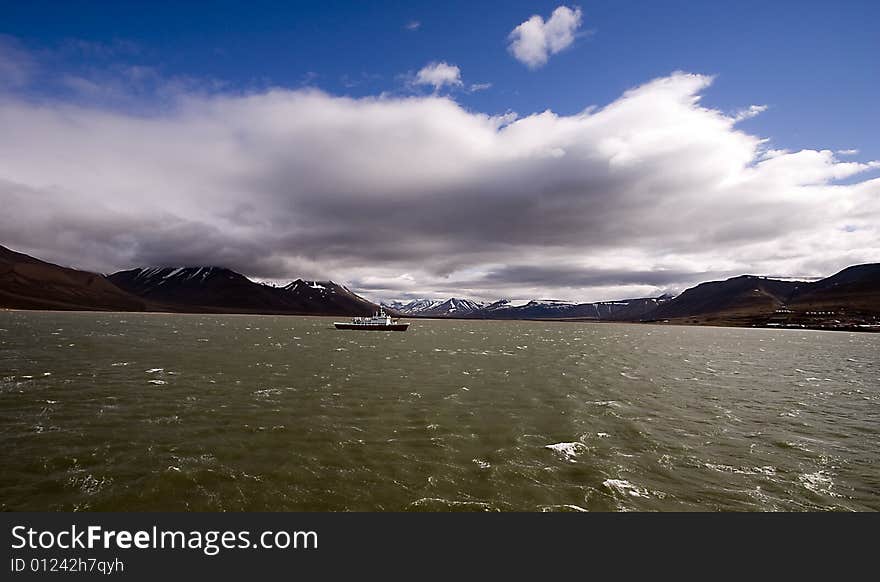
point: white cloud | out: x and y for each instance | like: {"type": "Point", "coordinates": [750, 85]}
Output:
{"type": "Point", "coordinates": [533, 41]}
{"type": "Point", "coordinates": [480, 87]}
{"type": "Point", "coordinates": [439, 75]}
{"type": "Point", "coordinates": [413, 25]}
{"type": "Point", "coordinates": [651, 191]}
{"type": "Point", "coordinates": [752, 111]}
{"type": "Point", "coordinates": [848, 152]}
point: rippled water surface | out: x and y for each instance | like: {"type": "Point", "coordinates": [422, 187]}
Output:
{"type": "Point", "coordinates": [194, 412]}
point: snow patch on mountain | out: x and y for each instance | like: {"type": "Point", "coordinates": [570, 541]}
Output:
{"type": "Point", "coordinates": [148, 277]}
{"type": "Point", "coordinates": [428, 307]}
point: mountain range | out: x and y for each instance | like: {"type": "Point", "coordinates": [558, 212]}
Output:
{"type": "Point", "coordinates": [621, 310]}
{"type": "Point", "coordinates": [29, 283]}
{"type": "Point", "coordinates": [849, 299]}
{"type": "Point", "coordinates": [452, 307]}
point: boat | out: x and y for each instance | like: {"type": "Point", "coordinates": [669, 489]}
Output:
{"type": "Point", "coordinates": [380, 321]}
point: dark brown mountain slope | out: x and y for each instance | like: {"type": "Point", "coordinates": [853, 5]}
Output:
{"type": "Point", "coordinates": [29, 283]}
{"type": "Point", "coordinates": [855, 289]}
{"type": "Point", "coordinates": [744, 296]}
{"type": "Point", "coordinates": [848, 299]}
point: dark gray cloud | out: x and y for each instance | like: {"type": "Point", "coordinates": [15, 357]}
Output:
{"type": "Point", "coordinates": [577, 278]}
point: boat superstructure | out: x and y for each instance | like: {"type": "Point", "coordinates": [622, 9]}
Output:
{"type": "Point", "coordinates": [379, 321]}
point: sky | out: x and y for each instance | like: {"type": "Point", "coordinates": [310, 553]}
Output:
{"type": "Point", "coordinates": [524, 150]}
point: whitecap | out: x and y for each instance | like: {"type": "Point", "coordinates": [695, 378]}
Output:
{"type": "Point", "coordinates": [267, 392]}
{"type": "Point", "coordinates": [818, 482]}
{"type": "Point", "coordinates": [767, 470]}
{"type": "Point", "coordinates": [568, 451]}
{"type": "Point", "coordinates": [440, 503]}
{"type": "Point", "coordinates": [154, 370]}
{"type": "Point", "coordinates": [481, 463]}
{"type": "Point", "coordinates": [625, 487]}
{"type": "Point", "coordinates": [562, 507]}
{"type": "Point", "coordinates": [89, 484]}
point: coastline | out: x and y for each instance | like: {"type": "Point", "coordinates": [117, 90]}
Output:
{"type": "Point", "coordinates": [677, 323]}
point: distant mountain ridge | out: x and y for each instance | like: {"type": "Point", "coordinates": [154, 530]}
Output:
{"type": "Point", "coordinates": [553, 309]}
{"type": "Point", "coordinates": [624, 309]}
{"type": "Point", "coordinates": [452, 307]}
{"type": "Point", "coordinates": [849, 299]}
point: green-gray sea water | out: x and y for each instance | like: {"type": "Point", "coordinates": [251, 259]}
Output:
{"type": "Point", "coordinates": [132, 412]}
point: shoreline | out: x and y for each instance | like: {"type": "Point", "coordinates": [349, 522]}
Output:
{"type": "Point", "coordinates": [851, 329]}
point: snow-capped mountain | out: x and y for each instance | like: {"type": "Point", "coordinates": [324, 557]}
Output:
{"type": "Point", "coordinates": [452, 307]}
{"type": "Point", "coordinates": [534, 309]}
{"type": "Point", "coordinates": [413, 307]}
{"type": "Point", "coordinates": [554, 309]}
{"type": "Point", "coordinates": [334, 298]}
{"type": "Point", "coordinates": [506, 309]}
{"type": "Point", "coordinates": [311, 287]}
{"type": "Point", "coordinates": [221, 289]}
{"type": "Point", "coordinates": [503, 304]}
{"type": "Point", "coordinates": [189, 285]}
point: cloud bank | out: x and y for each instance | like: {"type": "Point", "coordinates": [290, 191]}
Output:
{"type": "Point", "coordinates": [533, 41]}
{"type": "Point", "coordinates": [408, 196]}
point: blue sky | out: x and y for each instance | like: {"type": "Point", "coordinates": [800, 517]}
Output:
{"type": "Point", "coordinates": [814, 63]}
{"type": "Point", "coordinates": [582, 151]}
